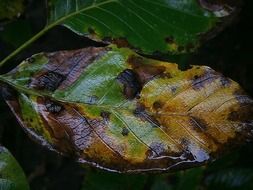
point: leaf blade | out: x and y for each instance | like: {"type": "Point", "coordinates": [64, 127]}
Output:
{"type": "Point", "coordinates": [146, 26]}
{"type": "Point", "coordinates": [113, 108]}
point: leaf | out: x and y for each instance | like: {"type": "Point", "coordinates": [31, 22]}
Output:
{"type": "Point", "coordinates": [12, 176]}
{"type": "Point", "coordinates": [11, 9]}
{"type": "Point", "coordinates": [145, 25]}
{"type": "Point", "coordinates": [122, 112]}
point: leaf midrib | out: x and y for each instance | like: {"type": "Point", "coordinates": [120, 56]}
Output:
{"type": "Point", "coordinates": [56, 22]}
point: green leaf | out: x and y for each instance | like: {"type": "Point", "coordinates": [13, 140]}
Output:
{"type": "Point", "coordinates": [11, 9]}
{"type": "Point", "coordinates": [116, 110]}
{"type": "Point", "coordinates": [11, 174]}
{"type": "Point", "coordinates": [145, 25]}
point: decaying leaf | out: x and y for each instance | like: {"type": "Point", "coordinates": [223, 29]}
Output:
{"type": "Point", "coordinates": [119, 111]}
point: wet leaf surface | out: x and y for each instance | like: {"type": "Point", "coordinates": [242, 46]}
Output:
{"type": "Point", "coordinates": [119, 111]}
{"type": "Point", "coordinates": [145, 25]}
{"type": "Point", "coordinates": [11, 174]}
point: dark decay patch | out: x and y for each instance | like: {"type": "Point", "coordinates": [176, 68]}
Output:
{"type": "Point", "coordinates": [125, 131]}
{"type": "Point", "coordinates": [53, 107]}
{"type": "Point", "coordinates": [70, 64]}
{"type": "Point", "coordinates": [199, 124]}
{"type": "Point", "coordinates": [47, 81]}
{"type": "Point", "coordinates": [91, 31]}
{"type": "Point", "coordinates": [120, 42]}
{"type": "Point", "coordinates": [218, 5]}
{"type": "Point", "coordinates": [144, 116]}
{"type": "Point", "coordinates": [157, 105]}
{"type": "Point", "coordinates": [132, 86]}
{"type": "Point", "coordinates": [158, 149]}
{"type": "Point", "coordinates": [208, 77]}
{"type": "Point", "coordinates": [184, 67]}
{"type": "Point", "coordinates": [173, 89]}
{"type": "Point", "coordinates": [169, 39]}
{"type": "Point", "coordinates": [144, 71]}
{"type": "Point", "coordinates": [225, 82]}
{"type": "Point", "coordinates": [243, 114]}
{"type": "Point", "coordinates": [105, 115]}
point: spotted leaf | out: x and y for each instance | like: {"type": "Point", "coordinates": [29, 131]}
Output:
{"type": "Point", "coordinates": [145, 25]}
{"type": "Point", "coordinates": [122, 112]}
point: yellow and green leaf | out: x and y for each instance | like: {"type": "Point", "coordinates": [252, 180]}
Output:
{"type": "Point", "coordinates": [119, 111]}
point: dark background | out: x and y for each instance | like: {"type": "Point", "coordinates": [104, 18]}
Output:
{"type": "Point", "coordinates": [230, 53]}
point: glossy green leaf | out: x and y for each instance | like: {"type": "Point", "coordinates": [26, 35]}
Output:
{"type": "Point", "coordinates": [119, 111]}
{"type": "Point", "coordinates": [11, 174]}
{"type": "Point", "coordinates": [145, 25]}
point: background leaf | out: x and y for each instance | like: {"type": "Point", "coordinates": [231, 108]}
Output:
{"type": "Point", "coordinates": [11, 174]}
{"type": "Point", "coordinates": [145, 25]}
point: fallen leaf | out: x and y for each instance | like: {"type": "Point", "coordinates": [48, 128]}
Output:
{"type": "Point", "coordinates": [122, 112]}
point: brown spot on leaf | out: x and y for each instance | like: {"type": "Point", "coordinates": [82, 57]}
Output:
{"type": "Point", "coordinates": [169, 40]}
{"type": "Point", "coordinates": [53, 107]}
{"type": "Point", "coordinates": [132, 86]}
{"type": "Point", "coordinates": [47, 81]}
{"type": "Point", "coordinates": [144, 71]}
{"type": "Point", "coordinates": [91, 31]}
{"type": "Point", "coordinates": [173, 89]}
{"type": "Point", "coordinates": [105, 115]}
{"type": "Point", "coordinates": [121, 42]}
{"type": "Point", "coordinates": [225, 82]}
{"type": "Point", "coordinates": [143, 115]}
{"type": "Point", "coordinates": [157, 105]}
{"type": "Point", "coordinates": [158, 149]}
{"type": "Point", "coordinates": [199, 82]}
{"type": "Point", "coordinates": [125, 131]}
{"type": "Point", "coordinates": [184, 67]}
{"type": "Point", "coordinates": [68, 64]}
{"type": "Point", "coordinates": [218, 5]}
{"type": "Point", "coordinates": [199, 124]}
